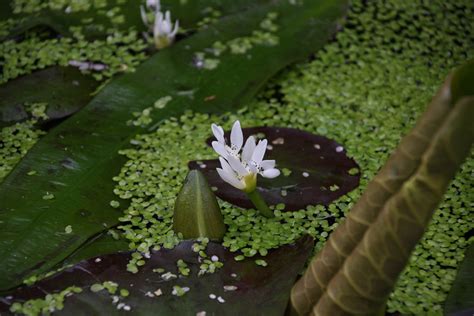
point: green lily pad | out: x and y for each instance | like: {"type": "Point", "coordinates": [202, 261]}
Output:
{"type": "Point", "coordinates": [238, 288]}
{"type": "Point", "coordinates": [64, 89]}
{"type": "Point", "coordinates": [315, 170]}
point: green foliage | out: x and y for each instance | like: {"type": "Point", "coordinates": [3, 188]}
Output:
{"type": "Point", "coordinates": [159, 162]}
{"type": "Point", "coordinates": [364, 90]}
{"type": "Point", "coordinates": [81, 177]}
{"type": "Point", "coordinates": [196, 213]}
{"type": "Point", "coordinates": [16, 140]}
{"type": "Point", "coordinates": [47, 305]}
{"type": "Point", "coordinates": [120, 52]}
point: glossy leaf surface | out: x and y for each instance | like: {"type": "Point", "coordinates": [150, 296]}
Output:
{"type": "Point", "coordinates": [65, 90]}
{"type": "Point", "coordinates": [76, 161]}
{"type": "Point", "coordinates": [258, 290]}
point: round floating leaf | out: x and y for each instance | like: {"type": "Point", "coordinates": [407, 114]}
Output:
{"type": "Point", "coordinates": [315, 170]}
{"type": "Point", "coordinates": [239, 287]}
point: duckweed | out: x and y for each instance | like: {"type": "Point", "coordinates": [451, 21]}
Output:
{"type": "Point", "coordinates": [183, 268]}
{"type": "Point", "coordinates": [120, 52]}
{"type": "Point", "coordinates": [263, 36]}
{"type": "Point", "coordinates": [179, 291]}
{"type": "Point", "coordinates": [340, 95]}
{"type": "Point", "coordinates": [212, 16]}
{"type": "Point", "coordinates": [17, 139]}
{"type": "Point", "coordinates": [109, 286]}
{"type": "Point", "coordinates": [45, 306]}
{"type": "Point", "coordinates": [364, 90]}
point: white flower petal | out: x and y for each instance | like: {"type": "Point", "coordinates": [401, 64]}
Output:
{"type": "Point", "coordinates": [249, 147]}
{"type": "Point", "coordinates": [267, 164]}
{"type": "Point", "coordinates": [218, 133]}
{"type": "Point", "coordinates": [237, 166]}
{"type": "Point", "coordinates": [166, 25]}
{"type": "Point", "coordinates": [144, 17]}
{"type": "Point", "coordinates": [220, 149]}
{"type": "Point", "coordinates": [153, 4]}
{"type": "Point", "coordinates": [236, 136]}
{"type": "Point", "coordinates": [259, 152]}
{"type": "Point", "coordinates": [157, 30]}
{"type": "Point", "coordinates": [225, 166]}
{"type": "Point", "coordinates": [175, 30]}
{"type": "Point", "coordinates": [271, 173]}
{"type": "Point", "coordinates": [252, 167]}
{"type": "Point", "coordinates": [230, 179]}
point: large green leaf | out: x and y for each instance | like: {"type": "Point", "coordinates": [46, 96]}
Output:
{"type": "Point", "coordinates": [243, 287]}
{"type": "Point", "coordinates": [360, 263]}
{"type": "Point", "coordinates": [76, 161]}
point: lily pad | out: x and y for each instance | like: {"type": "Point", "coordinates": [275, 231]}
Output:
{"type": "Point", "coordinates": [244, 288]}
{"type": "Point", "coordinates": [64, 89]}
{"type": "Point", "coordinates": [315, 170]}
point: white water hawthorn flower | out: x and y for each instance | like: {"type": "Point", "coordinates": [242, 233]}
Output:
{"type": "Point", "coordinates": [241, 165]}
{"type": "Point", "coordinates": [240, 169]}
{"type": "Point", "coordinates": [162, 27]}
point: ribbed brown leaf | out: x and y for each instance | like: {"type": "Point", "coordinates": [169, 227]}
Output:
{"type": "Point", "coordinates": [387, 222]}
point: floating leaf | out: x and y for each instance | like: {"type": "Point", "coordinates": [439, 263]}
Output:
{"type": "Point", "coordinates": [64, 90]}
{"type": "Point", "coordinates": [240, 287]}
{"type": "Point", "coordinates": [315, 170]}
{"type": "Point", "coordinates": [77, 160]}
{"type": "Point", "coordinates": [196, 211]}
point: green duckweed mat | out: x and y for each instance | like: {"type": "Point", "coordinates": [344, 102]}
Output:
{"type": "Point", "coordinates": [365, 90]}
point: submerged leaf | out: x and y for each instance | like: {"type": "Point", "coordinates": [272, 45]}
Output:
{"type": "Point", "coordinates": [242, 288]}
{"type": "Point", "coordinates": [315, 170]}
{"type": "Point", "coordinates": [196, 211]}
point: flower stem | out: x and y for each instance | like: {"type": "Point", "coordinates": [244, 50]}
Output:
{"type": "Point", "coordinates": [260, 203]}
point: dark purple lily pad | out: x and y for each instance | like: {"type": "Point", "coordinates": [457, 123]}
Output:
{"type": "Point", "coordinates": [320, 170]}
{"type": "Point", "coordinates": [259, 290]}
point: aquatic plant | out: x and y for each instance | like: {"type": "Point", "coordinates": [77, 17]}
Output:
{"type": "Point", "coordinates": [240, 165]}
